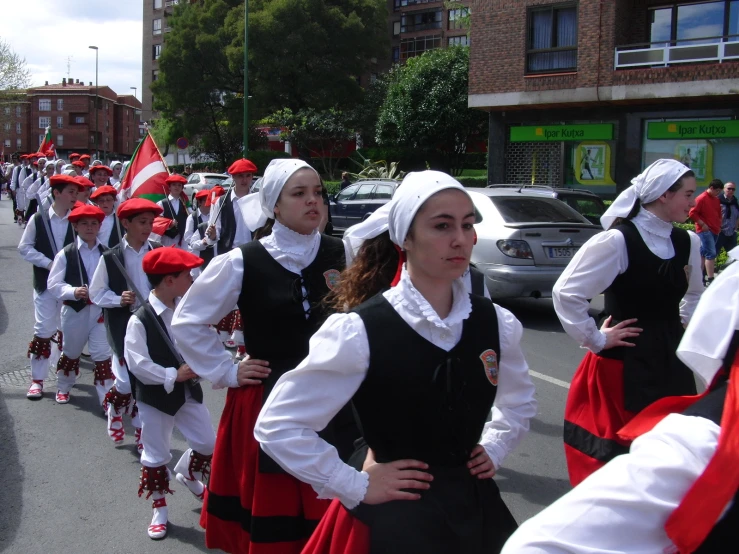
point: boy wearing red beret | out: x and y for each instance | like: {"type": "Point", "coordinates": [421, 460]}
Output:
{"type": "Point", "coordinates": [166, 391]}
{"type": "Point", "coordinates": [47, 233]}
{"type": "Point", "coordinates": [110, 230]}
{"type": "Point", "coordinates": [176, 210]}
{"type": "Point", "coordinates": [197, 224]}
{"type": "Point", "coordinates": [110, 291]}
{"type": "Point", "coordinates": [82, 321]}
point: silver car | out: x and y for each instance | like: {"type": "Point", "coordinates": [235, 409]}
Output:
{"type": "Point", "coordinates": [525, 240]}
{"type": "Point", "coordinates": [199, 181]}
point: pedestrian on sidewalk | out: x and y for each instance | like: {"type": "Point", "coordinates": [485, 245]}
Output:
{"type": "Point", "coordinates": [423, 364]}
{"type": "Point", "coordinates": [706, 214]}
{"type": "Point", "coordinates": [38, 247]}
{"type": "Point", "coordinates": [167, 393]}
{"type": "Point", "coordinates": [81, 320]}
{"type": "Point", "coordinates": [279, 283]}
{"type": "Point", "coordinates": [729, 218]}
{"type": "Point", "coordinates": [649, 272]}
{"type": "Point", "coordinates": [110, 291]}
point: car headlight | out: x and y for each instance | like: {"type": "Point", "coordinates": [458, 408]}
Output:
{"type": "Point", "coordinates": [516, 249]}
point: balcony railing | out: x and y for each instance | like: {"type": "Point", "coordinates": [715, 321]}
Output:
{"type": "Point", "coordinates": [170, 3]}
{"type": "Point", "coordinates": [656, 54]}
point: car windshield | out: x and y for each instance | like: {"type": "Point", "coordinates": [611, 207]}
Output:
{"type": "Point", "coordinates": [213, 180]}
{"type": "Point", "coordinates": [523, 209]}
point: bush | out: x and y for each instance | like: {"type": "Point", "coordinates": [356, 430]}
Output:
{"type": "Point", "coordinates": [332, 186]}
{"type": "Point", "coordinates": [474, 182]}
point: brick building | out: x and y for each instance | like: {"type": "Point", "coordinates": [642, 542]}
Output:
{"type": "Point", "coordinates": [588, 93]}
{"type": "Point", "coordinates": [69, 109]}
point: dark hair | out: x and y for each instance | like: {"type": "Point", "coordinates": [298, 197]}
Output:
{"type": "Point", "coordinates": [61, 186]}
{"type": "Point", "coordinates": [156, 279]}
{"type": "Point", "coordinates": [265, 230]}
{"type": "Point", "coordinates": [371, 272]}
{"type": "Point", "coordinates": [716, 184]}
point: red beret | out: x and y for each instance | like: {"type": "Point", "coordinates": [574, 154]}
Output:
{"type": "Point", "coordinates": [101, 168]}
{"type": "Point", "coordinates": [174, 178]}
{"type": "Point", "coordinates": [242, 166]}
{"type": "Point", "coordinates": [86, 210]}
{"type": "Point", "coordinates": [83, 181]}
{"type": "Point", "coordinates": [78, 204]}
{"type": "Point", "coordinates": [201, 194]}
{"type": "Point", "coordinates": [35, 163]}
{"type": "Point", "coordinates": [102, 191]}
{"type": "Point", "coordinates": [78, 163]}
{"type": "Point", "coordinates": [215, 193]}
{"type": "Point", "coordinates": [49, 154]}
{"type": "Point", "coordinates": [163, 261]}
{"type": "Point", "coordinates": [135, 206]}
{"type": "Point", "coordinates": [85, 157]}
{"type": "Point", "coordinates": [74, 155]}
{"type": "Point", "coordinates": [62, 180]}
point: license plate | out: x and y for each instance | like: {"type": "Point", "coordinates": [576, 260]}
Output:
{"type": "Point", "coordinates": [561, 252]}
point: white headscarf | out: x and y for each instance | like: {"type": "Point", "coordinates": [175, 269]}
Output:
{"type": "Point", "coordinates": [115, 163]}
{"type": "Point", "coordinates": [417, 187]}
{"type": "Point", "coordinates": [707, 338]}
{"type": "Point", "coordinates": [373, 226]}
{"type": "Point", "coordinates": [257, 208]}
{"type": "Point", "coordinates": [647, 187]}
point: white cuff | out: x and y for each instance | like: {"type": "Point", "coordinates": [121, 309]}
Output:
{"type": "Point", "coordinates": [347, 484]}
{"type": "Point", "coordinates": [497, 452]}
{"type": "Point", "coordinates": [169, 379]}
{"type": "Point", "coordinates": [231, 378]}
{"type": "Point", "coordinates": [599, 341]}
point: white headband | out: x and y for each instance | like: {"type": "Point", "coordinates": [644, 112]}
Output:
{"type": "Point", "coordinates": [647, 187]}
{"type": "Point", "coordinates": [417, 187]}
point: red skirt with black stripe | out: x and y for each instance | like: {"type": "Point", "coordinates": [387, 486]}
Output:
{"type": "Point", "coordinates": [594, 414]}
{"type": "Point", "coordinates": [246, 511]}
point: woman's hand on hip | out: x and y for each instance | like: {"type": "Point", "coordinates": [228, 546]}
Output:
{"type": "Point", "coordinates": [388, 481]}
{"type": "Point", "coordinates": [616, 335]}
{"type": "Point", "coordinates": [251, 371]}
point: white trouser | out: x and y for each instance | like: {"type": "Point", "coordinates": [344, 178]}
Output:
{"type": "Point", "coordinates": [193, 421]}
{"type": "Point", "coordinates": [122, 380]}
{"type": "Point", "coordinates": [46, 314]}
{"type": "Point", "coordinates": [80, 328]}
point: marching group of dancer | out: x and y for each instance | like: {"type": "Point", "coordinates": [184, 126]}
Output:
{"type": "Point", "coordinates": [378, 388]}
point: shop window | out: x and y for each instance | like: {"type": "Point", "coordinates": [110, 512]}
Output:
{"type": "Point", "coordinates": [552, 39]}
{"type": "Point", "coordinates": [411, 47]}
{"type": "Point", "coordinates": [694, 23]}
{"type": "Point", "coordinates": [459, 19]}
{"type": "Point", "coordinates": [44, 105]}
{"type": "Point", "coordinates": [420, 21]}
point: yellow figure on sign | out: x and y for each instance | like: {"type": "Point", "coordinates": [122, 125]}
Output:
{"type": "Point", "coordinates": [592, 163]}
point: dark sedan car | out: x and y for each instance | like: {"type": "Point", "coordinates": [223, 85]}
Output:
{"type": "Point", "coordinates": [356, 202]}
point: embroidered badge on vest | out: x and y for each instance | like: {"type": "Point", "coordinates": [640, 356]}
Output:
{"type": "Point", "coordinates": [332, 278]}
{"type": "Point", "coordinates": [490, 362]}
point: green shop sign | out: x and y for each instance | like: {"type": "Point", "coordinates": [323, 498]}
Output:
{"type": "Point", "coordinates": [677, 130]}
{"type": "Point", "coordinates": [557, 133]}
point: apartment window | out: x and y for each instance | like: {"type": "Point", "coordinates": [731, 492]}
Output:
{"type": "Point", "coordinates": [154, 77]}
{"type": "Point", "coordinates": [157, 4]}
{"type": "Point", "coordinates": [127, 130]}
{"type": "Point", "coordinates": [79, 119]}
{"type": "Point", "coordinates": [18, 128]}
{"type": "Point", "coordinates": [396, 54]}
{"type": "Point", "coordinates": [459, 18]}
{"type": "Point", "coordinates": [17, 111]}
{"type": "Point", "coordinates": [421, 21]}
{"type": "Point", "coordinates": [692, 23]}
{"type": "Point", "coordinates": [40, 139]}
{"type": "Point", "coordinates": [92, 139]}
{"type": "Point", "coordinates": [44, 105]}
{"type": "Point", "coordinates": [107, 124]}
{"type": "Point", "coordinates": [156, 51]}
{"type": "Point", "coordinates": [7, 111]}
{"type": "Point", "coordinates": [157, 26]}
{"type": "Point", "coordinates": [60, 104]}
{"type": "Point", "coordinates": [552, 39]}
{"type": "Point", "coordinates": [59, 121]}
{"type": "Point", "coordinates": [396, 28]}
{"type": "Point", "coordinates": [7, 143]}
{"type": "Point", "coordinates": [18, 143]}
{"type": "Point", "coordinates": [410, 47]}
{"type": "Point", "coordinates": [44, 122]}
{"type": "Point", "coordinates": [6, 126]}
{"type": "Point", "coordinates": [107, 141]}
{"type": "Point", "coordinates": [107, 106]}
{"type": "Point", "coordinates": [464, 40]}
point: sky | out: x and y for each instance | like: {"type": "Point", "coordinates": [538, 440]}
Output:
{"type": "Point", "coordinates": [57, 32]}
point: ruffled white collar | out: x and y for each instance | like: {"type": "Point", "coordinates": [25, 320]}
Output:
{"type": "Point", "coordinates": [292, 248]}
{"type": "Point", "coordinates": [649, 222]}
{"type": "Point", "coordinates": [415, 303]}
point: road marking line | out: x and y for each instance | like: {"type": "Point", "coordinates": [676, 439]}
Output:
{"type": "Point", "coordinates": [559, 383]}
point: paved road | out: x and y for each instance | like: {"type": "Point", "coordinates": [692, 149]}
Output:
{"type": "Point", "coordinates": [67, 489]}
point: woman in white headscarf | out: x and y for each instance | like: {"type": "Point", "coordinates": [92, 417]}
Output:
{"type": "Point", "coordinates": [423, 363]}
{"type": "Point", "coordinates": [278, 282]}
{"type": "Point", "coordinates": [649, 272]}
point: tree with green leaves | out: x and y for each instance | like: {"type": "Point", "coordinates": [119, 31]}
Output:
{"type": "Point", "coordinates": [320, 134]}
{"type": "Point", "coordinates": [14, 79]}
{"type": "Point", "coordinates": [426, 108]}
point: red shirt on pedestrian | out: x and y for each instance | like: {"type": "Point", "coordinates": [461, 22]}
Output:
{"type": "Point", "coordinates": [708, 210]}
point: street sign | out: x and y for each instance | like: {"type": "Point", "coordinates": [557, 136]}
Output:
{"type": "Point", "coordinates": [558, 133]}
{"type": "Point", "coordinates": [182, 143]}
{"type": "Point", "coordinates": [682, 130]}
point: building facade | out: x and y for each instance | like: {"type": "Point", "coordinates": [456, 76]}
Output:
{"type": "Point", "coordinates": [77, 125]}
{"type": "Point", "coordinates": [588, 93]}
{"type": "Point", "coordinates": [154, 30]}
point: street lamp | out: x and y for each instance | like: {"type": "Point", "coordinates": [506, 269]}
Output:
{"type": "Point", "coordinates": [97, 154]}
{"type": "Point", "coordinates": [135, 90]}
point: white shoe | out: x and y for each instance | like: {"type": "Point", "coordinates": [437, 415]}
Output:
{"type": "Point", "coordinates": [193, 485]}
{"type": "Point", "coordinates": [36, 390]}
{"type": "Point", "coordinates": [158, 526]}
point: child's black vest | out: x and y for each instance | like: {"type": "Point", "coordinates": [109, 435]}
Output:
{"type": "Point", "coordinates": [43, 245]}
{"type": "Point", "coordinates": [155, 395]}
{"type": "Point", "coordinates": [115, 233]}
{"type": "Point", "coordinates": [207, 254]}
{"type": "Point", "coordinates": [75, 271]}
{"type": "Point", "coordinates": [228, 226]}
{"type": "Point", "coordinates": [180, 217]}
